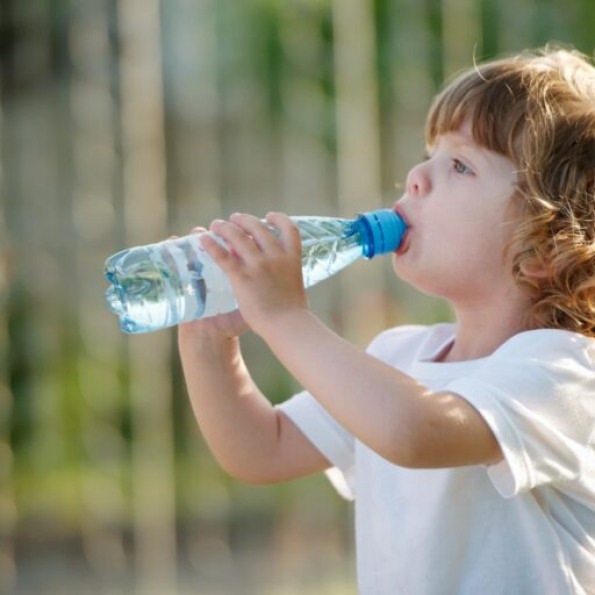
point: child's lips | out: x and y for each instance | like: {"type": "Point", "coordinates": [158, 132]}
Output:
{"type": "Point", "coordinates": [404, 245]}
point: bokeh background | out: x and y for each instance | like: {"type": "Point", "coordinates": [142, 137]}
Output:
{"type": "Point", "coordinates": [125, 121]}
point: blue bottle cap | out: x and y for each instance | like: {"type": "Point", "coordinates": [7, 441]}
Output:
{"type": "Point", "coordinates": [385, 230]}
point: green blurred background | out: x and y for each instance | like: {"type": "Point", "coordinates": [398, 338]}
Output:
{"type": "Point", "coordinates": [125, 121]}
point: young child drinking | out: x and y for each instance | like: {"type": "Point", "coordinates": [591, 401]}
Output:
{"type": "Point", "coordinates": [469, 448]}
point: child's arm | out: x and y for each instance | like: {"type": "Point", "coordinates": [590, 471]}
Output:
{"type": "Point", "coordinates": [385, 409]}
{"type": "Point", "coordinates": [250, 439]}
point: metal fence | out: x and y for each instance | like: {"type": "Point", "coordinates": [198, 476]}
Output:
{"type": "Point", "coordinates": [124, 121]}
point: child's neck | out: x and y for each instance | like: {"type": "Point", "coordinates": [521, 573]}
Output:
{"type": "Point", "coordinates": [479, 336]}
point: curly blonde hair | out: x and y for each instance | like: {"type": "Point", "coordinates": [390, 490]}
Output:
{"type": "Point", "coordinates": [538, 109]}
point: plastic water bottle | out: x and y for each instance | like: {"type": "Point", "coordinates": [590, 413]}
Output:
{"type": "Point", "coordinates": [161, 285]}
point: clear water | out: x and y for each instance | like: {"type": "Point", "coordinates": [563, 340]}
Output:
{"type": "Point", "coordinates": [328, 246]}
{"type": "Point", "coordinates": [164, 284]}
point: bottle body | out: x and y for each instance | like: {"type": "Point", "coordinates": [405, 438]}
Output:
{"type": "Point", "coordinates": [175, 281]}
{"type": "Point", "coordinates": [164, 284]}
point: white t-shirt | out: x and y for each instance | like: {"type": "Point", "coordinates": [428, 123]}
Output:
{"type": "Point", "coordinates": [525, 526]}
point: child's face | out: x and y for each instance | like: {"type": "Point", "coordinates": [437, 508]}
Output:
{"type": "Point", "coordinates": [458, 206]}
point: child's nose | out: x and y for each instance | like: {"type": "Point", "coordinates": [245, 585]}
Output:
{"type": "Point", "coordinates": [418, 183]}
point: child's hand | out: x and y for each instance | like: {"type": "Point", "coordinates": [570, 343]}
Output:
{"type": "Point", "coordinates": [264, 267]}
{"type": "Point", "coordinates": [223, 326]}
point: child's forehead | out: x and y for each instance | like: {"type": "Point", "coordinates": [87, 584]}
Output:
{"type": "Point", "coordinates": [479, 123]}
{"type": "Point", "coordinates": [451, 120]}
{"type": "Point", "coordinates": [460, 135]}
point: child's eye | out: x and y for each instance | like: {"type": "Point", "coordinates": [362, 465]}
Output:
{"type": "Point", "coordinates": [461, 168]}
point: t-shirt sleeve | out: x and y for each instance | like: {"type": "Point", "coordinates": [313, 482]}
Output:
{"type": "Point", "coordinates": [331, 439]}
{"type": "Point", "coordinates": [537, 394]}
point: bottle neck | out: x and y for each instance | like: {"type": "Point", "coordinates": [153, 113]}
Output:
{"type": "Point", "coordinates": [381, 231]}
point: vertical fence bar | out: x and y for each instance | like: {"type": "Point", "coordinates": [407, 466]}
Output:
{"type": "Point", "coordinates": [193, 95]}
{"type": "Point", "coordinates": [194, 157]}
{"type": "Point", "coordinates": [195, 173]}
{"type": "Point", "coordinates": [7, 504]}
{"type": "Point", "coordinates": [94, 171]}
{"type": "Point", "coordinates": [358, 152]}
{"type": "Point", "coordinates": [461, 34]}
{"type": "Point", "coordinates": [307, 165]}
{"type": "Point", "coordinates": [145, 214]}
{"type": "Point", "coordinates": [38, 194]}
{"type": "Point", "coordinates": [307, 162]}
{"type": "Point", "coordinates": [490, 33]}
{"type": "Point", "coordinates": [412, 85]}
{"type": "Point", "coordinates": [585, 24]}
{"type": "Point", "coordinates": [9, 515]}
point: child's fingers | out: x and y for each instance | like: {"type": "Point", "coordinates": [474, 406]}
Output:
{"type": "Point", "coordinates": [238, 241]}
{"type": "Point", "coordinates": [285, 234]}
{"type": "Point", "coordinates": [288, 231]}
{"type": "Point", "coordinates": [246, 235]}
{"type": "Point", "coordinates": [264, 237]}
{"type": "Point", "coordinates": [222, 255]}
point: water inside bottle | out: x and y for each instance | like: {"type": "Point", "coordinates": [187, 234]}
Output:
{"type": "Point", "coordinates": [328, 246]}
{"type": "Point", "coordinates": [164, 284]}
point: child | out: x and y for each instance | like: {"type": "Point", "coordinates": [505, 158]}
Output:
{"type": "Point", "coordinates": [470, 447]}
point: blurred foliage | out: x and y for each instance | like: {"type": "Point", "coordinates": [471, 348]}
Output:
{"type": "Point", "coordinates": [124, 121]}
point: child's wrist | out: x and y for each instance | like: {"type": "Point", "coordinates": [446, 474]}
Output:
{"type": "Point", "coordinates": [203, 341]}
{"type": "Point", "coordinates": [284, 323]}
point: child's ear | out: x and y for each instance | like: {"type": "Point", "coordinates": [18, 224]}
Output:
{"type": "Point", "coordinates": [533, 269]}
